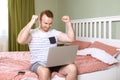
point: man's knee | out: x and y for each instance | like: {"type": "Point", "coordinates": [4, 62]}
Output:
{"type": "Point", "coordinates": [73, 68]}
{"type": "Point", "coordinates": [41, 69]}
{"type": "Point", "coordinates": [43, 73]}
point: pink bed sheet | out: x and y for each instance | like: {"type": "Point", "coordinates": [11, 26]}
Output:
{"type": "Point", "coordinates": [13, 62]}
{"type": "Point", "coordinates": [87, 64]}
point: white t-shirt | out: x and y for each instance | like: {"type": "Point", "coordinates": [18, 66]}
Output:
{"type": "Point", "coordinates": [41, 42]}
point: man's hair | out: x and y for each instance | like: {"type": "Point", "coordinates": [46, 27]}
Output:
{"type": "Point", "coordinates": [48, 13]}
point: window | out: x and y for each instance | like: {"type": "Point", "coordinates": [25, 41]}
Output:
{"type": "Point", "coordinates": [3, 18]}
{"type": "Point", "coordinates": [3, 25]}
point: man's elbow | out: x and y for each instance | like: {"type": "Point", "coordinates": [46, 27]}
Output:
{"type": "Point", "coordinates": [72, 40]}
{"type": "Point", "coordinates": [20, 41]}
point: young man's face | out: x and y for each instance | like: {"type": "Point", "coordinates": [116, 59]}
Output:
{"type": "Point", "coordinates": [45, 23]}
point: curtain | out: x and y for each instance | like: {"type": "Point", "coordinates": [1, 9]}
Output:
{"type": "Point", "coordinates": [19, 14]}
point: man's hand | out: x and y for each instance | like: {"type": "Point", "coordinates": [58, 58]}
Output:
{"type": "Point", "coordinates": [34, 19]}
{"type": "Point", "coordinates": [66, 19]}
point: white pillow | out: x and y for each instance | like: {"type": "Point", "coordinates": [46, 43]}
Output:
{"type": "Point", "coordinates": [98, 54]}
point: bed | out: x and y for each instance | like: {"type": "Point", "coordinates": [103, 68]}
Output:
{"type": "Point", "coordinates": [92, 34]}
{"type": "Point", "coordinates": [97, 58]}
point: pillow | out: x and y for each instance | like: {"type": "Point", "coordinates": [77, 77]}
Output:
{"type": "Point", "coordinates": [81, 44]}
{"type": "Point", "coordinates": [109, 49]}
{"type": "Point", "coordinates": [98, 54]}
{"type": "Point", "coordinates": [88, 64]}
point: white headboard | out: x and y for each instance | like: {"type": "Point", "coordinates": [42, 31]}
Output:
{"type": "Point", "coordinates": [96, 29]}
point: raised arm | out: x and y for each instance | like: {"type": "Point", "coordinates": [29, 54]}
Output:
{"type": "Point", "coordinates": [69, 35]}
{"type": "Point", "coordinates": [24, 36]}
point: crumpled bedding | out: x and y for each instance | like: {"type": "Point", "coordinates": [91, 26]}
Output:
{"type": "Point", "coordinates": [88, 64]}
{"type": "Point", "coordinates": [93, 59]}
{"type": "Point", "coordinates": [11, 63]}
{"type": "Point", "coordinates": [98, 54]}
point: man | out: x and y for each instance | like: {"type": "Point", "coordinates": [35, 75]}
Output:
{"type": "Point", "coordinates": [41, 39]}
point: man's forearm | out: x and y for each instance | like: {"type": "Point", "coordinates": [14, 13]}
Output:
{"type": "Point", "coordinates": [70, 31]}
{"type": "Point", "coordinates": [24, 34]}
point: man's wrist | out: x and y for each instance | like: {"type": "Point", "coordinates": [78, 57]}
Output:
{"type": "Point", "coordinates": [68, 23]}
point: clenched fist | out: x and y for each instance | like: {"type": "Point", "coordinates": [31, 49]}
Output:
{"type": "Point", "coordinates": [34, 18]}
{"type": "Point", "coordinates": [66, 19]}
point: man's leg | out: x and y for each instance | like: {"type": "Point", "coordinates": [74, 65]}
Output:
{"type": "Point", "coordinates": [69, 71]}
{"type": "Point", "coordinates": [43, 73]}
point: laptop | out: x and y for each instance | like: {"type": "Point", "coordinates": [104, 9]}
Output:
{"type": "Point", "coordinates": [61, 55]}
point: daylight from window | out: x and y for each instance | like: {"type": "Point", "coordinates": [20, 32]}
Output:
{"type": "Point", "coordinates": [3, 18]}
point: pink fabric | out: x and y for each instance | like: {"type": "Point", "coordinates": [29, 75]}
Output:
{"type": "Point", "coordinates": [27, 74]}
{"type": "Point", "coordinates": [17, 55]}
{"type": "Point", "coordinates": [86, 64]}
{"type": "Point", "coordinates": [13, 62]}
{"type": "Point", "coordinates": [14, 76]}
{"type": "Point", "coordinates": [109, 49]}
{"type": "Point", "coordinates": [9, 64]}
{"type": "Point", "coordinates": [81, 44]}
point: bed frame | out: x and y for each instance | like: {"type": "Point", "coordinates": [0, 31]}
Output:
{"type": "Point", "coordinates": [98, 29]}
